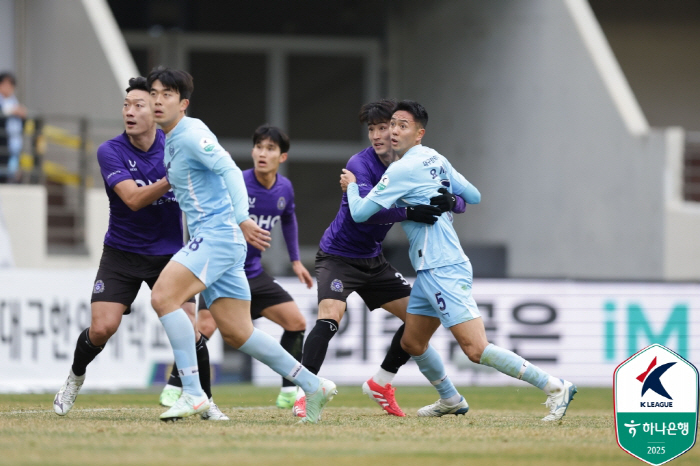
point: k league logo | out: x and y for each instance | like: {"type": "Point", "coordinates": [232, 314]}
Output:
{"type": "Point", "coordinates": [656, 405]}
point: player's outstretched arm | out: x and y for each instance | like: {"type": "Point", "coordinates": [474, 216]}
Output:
{"type": "Point", "coordinates": [137, 197]}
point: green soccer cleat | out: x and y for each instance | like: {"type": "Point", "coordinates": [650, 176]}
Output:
{"type": "Point", "coordinates": [285, 400]}
{"type": "Point", "coordinates": [169, 395]}
{"type": "Point", "coordinates": [187, 405]}
{"type": "Point", "coordinates": [317, 400]}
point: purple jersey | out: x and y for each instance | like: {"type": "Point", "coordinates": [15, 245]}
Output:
{"type": "Point", "coordinates": [346, 238]}
{"type": "Point", "coordinates": [267, 207]}
{"type": "Point", "coordinates": [155, 229]}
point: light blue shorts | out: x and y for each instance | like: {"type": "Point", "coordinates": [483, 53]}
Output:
{"type": "Point", "coordinates": [445, 293]}
{"type": "Point", "coordinates": [218, 263]}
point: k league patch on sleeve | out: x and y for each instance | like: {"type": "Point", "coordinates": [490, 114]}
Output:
{"type": "Point", "coordinates": [207, 145]}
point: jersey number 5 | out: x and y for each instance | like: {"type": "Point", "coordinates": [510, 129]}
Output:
{"type": "Point", "coordinates": [440, 301]}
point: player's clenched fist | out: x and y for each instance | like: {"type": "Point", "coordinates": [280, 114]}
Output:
{"type": "Point", "coordinates": [346, 178]}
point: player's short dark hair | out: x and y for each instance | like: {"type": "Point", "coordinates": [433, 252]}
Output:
{"type": "Point", "coordinates": [377, 112]}
{"type": "Point", "coordinates": [138, 83]}
{"type": "Point", "coordinates": [178, 80]}
{"type": "Point", "coordinates": [7, 75]}
{"type": "Point", "coordinates": [272, 133]}
{"type": "Point", "coordinates": [415, 109]}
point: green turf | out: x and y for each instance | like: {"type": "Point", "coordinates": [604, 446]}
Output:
{"type": "Point", "coordinates": [502, 427]}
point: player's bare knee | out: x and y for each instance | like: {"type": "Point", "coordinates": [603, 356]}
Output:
{"type": "Point", "coordinates": [473, 351]}
{"type": "Point", "coordinates": [100, 332]}
{"type": "Point", "coordinates": [296, 324]}
{"type": "Point", "coordinates": [413, 348]}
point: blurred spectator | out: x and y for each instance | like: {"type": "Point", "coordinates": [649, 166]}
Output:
{"type": "Point", "coordinates": [12, 114]}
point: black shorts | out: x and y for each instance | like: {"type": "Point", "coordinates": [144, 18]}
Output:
{"type": "Point", "coordinates": [374, 279]}
{"type": "Point", "coordinates": [121, 273]}
{"type": "Point", "coordinates": [264, 292]}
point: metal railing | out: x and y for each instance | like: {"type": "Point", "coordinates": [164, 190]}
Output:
{"type": "Point", "coordinates": [58, 152]}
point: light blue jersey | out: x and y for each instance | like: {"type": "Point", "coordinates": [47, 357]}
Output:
{"type": "Point", "coordinates": [196, 167]}
{"type": "Point", "coordinates": [211, 192]}
{"type": "Point", "coordinates": [413, 180]}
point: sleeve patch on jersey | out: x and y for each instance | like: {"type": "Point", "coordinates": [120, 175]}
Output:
{"type": "Point", "coordinates": [383, 183]}
{"type": "Point", "coordinates": [207, 144]}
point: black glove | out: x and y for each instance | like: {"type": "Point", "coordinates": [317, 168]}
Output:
{"type": "Point", "coordinates": [423, 214]}
{"type": "Point", "coordinates": [446, 201]}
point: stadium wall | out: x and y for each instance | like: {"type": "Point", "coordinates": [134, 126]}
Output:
{"type": "Point", "coordinates": [577, 330]}
{"type": "Point", "coordinates": [573, 184]}
{"type": "Point", "coordinates": [68, 52]}
{"type": "Point", "coordinates": [7, 39]}
{"type": "Point", "coordinates": [24, 210]}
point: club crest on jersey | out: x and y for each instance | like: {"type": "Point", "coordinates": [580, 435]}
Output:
{"type": "Point", "coordinates": [281, 203]}
{"type": "Point", "coordinates": [383, 183]}
{"type": "Point", "coordinates": [99, 286]}
{"type": "Point", "coordinates": [172, 151]}
{"type": "Point", "coordinates": [207, 144]}
{"type": "Point", "coordinates": [337, 286]}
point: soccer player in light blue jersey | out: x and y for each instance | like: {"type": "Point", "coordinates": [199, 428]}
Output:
{"type": "Point", "coordinates": [211, 192]}
{"type": "Point", "coordinates": [442, 290]}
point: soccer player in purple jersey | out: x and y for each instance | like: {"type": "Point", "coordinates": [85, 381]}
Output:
{"type": "Point", "coordinates": [270, 200]}
{"type": "Point", "coordinates": [145, 230]}
{"type": "Point", "coordinates": [351, 259]}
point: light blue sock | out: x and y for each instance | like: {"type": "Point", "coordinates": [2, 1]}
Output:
{"type": "Point", "coordinates": [430, 365]}
{"type": "Point", "coordinates": [268, 351]}
{"type": "Point", "coordinates": [180, 332]}
{"type": "Point", "coordinates": [513, 365]}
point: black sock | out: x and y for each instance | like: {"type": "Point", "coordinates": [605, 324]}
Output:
{"type": "Point", "coordinates": [174, 379]}
{"type": "Point", "coordinates": [85, 352]}
{"type": "Point", "coordinates": [396, 356]}
{"type": "Point", "coordinates": [293, 343]}
{"type": "Point", "coordinates": [317, 344]}
{"type": "Point", "coordinates": [203, 363]}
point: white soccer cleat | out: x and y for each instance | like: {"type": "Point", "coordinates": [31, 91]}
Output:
{"type": "Point", "coordinates": [187, 405]}
{"type": "Point", "coordinates": [214, 413]}
{"type": "Point", "coordinates": [439, 409]}
{"type": "Point", "coordinates": [66, 396]}
{"type": "Point", "coordinates": [169, 395]}
{"type": "Point", "coordinates": [317, 400]}
{"type": "Point", "coordinates": [559, 402]}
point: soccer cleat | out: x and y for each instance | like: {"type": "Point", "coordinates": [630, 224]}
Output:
{"type": "Point", "coordinates": [559, 402]}
{"type": "Point", "coordinates": [214, 413]}
{"type": "Point", "coordinates": [185, 406]}
{"type": "Point", "coordinates": [169, 395]}
{"type": "Point", "coordinates": [384, 396]}
{"type": "Point", "coordinates": [66, 396]}
{"type": "Point", "coordinates": [299, 408]}
{"type": "Point", "coordinates": [285, 400]}
{"type": "Point", "coordinates": [439, 409]}
{"type": "Point", "coordinates": [317, 400]}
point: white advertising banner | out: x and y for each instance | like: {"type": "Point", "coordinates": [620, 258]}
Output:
{"type": "Point", "coordinates": [42, 312]}
{"type": "Point", "coordinates": [579, 331]}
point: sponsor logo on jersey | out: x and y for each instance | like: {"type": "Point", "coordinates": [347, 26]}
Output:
{"type": "Point", "coordinates": [251, 202]}
{"type": "Point", "coordinates": [133, 166]}
{"type": "Point", "coordinates": [171, 150]}
{"type": "Point", "coordinates": [281, 203]}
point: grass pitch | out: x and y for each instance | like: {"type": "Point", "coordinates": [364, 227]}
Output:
{"type": "Point", "coordinates": [502, 427]}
